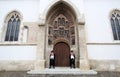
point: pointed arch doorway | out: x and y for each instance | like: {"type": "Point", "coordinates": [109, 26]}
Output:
{"type": "Point", "coordinates": [61, 34]}
{"type": "Point", "coordinates": [62, 51]}
{"type": "Point", "coordinates": [73, 31]}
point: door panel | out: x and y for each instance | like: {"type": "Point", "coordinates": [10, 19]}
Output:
{"type": "Point", "coordinates": [62, 51]}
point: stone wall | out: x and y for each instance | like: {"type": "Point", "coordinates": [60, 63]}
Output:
{"type": "Point", "coordinates": [16, 65]}
{"type": "Point", "coordinates": [105, 65]}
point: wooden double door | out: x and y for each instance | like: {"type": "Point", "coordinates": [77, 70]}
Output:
{"type": "Point", "coordinates": [62, 51]}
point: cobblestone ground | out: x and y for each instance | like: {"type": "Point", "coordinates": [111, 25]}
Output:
{"type": "Point", "coordinates": [24, 74]}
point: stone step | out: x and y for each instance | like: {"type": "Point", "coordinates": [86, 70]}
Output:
{"type": "Point", "coordinates": [61, 72]}
{"type": "Point", "coordinates": [59, 75]}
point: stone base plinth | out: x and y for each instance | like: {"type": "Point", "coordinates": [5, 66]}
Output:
{"type": "Point", "coordinates": [84, 64]}
{"type": "Point", "coordinates": [39, 65]}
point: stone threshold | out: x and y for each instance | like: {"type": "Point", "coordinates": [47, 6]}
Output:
{"type": "Point", "coordinates": [63, 70]}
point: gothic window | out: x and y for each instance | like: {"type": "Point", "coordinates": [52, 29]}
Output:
{"type": "Point", "coordinates": [115, 23]}
{"type": "Point", "coordinates": [13, 26]}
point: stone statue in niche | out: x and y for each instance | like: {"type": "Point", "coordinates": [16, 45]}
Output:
{"type": "Point", "coordinates": [72, 30]}
{"type": "Point", "coordinates": [56, 34]}
{"type": "Point", "coordinates": [50, 30]}
{"type": "Point", "coordinates": [67, 36]}
{"type": "Point", "coordinates": [50, 40]}
{"type": "Point", "coordinates": [73, 40]}
{"type": "Point", "coordinates": [55, 24]}
{"type": "Point", "coordinates": [61, 31]}
{"type": "Point", "coordinates": [66, 24]}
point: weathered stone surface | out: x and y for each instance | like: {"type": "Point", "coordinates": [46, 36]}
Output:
{"type": "Point", "coordinates": [16, 65]}
{"type": "Point", "coordinates": [106, 65]}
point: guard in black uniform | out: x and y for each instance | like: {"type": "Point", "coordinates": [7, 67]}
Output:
{"type": "Point", "coordinates": [72, 59]}
{"type": "Point", "coordinates": [52, 59]}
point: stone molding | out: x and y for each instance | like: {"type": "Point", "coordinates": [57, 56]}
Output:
{"type": "Point", "coordinates": [80, 17]}
{"type": "Point", "coordinates": [116, 43]}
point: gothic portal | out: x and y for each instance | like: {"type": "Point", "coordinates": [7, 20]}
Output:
{"type": "Point", "coordinates": [61, 34]}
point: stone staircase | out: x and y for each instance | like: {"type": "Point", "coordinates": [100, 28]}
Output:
{"type": "Point", "coordinates": [61, 72]}
{"type": "Point", "coordinates": [26, 74]}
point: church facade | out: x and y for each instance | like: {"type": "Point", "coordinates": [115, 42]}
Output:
{"type": "Point", "coordinates": [31, 29]}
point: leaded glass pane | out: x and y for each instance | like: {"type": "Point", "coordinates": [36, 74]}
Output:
{"type": "Point", "coordinates": [9, 26]}
{"type": "Point", "coordinates": [115, 23]}
{"type": "Point", "coordinates": [118, 28]}
{"type": "Point", "coordinates": [12, 30]}
{"type": "Point", "coordinates": [113, 29]}
{"type": "Point", "coordinates": [17, 30]}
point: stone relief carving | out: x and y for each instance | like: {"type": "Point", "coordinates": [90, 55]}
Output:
{"type": "Point", "coordinates": [61, 27]}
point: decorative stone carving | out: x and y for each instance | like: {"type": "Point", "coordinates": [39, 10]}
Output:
{"type": "Point", "coordinates": [61, 28]}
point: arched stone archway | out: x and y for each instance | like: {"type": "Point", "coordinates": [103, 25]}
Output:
{"type": "Point", "coordinates": [61, 26]}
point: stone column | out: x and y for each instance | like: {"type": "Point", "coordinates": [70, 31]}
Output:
{"type": "Point", "coordinates": [83, 57]}
{"type": "Point", "coordinates": [40, 62]}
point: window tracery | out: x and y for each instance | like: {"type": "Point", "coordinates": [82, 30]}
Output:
{"type": "Point", "coordinates": [115, 23]}
{"type": "Point", "coordinates": [13, 25]}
